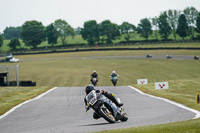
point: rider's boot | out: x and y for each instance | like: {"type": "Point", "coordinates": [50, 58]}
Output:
{"type": "Point", "coordinates": [117, 103]}
{"type": "Point", "coordinates": [112, 97]}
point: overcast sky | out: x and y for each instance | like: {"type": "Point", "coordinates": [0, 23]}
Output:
{"type": "Point", "coordinates": [76, 12]}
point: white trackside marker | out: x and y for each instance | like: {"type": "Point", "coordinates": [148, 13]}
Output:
{"type": "Point", "coordinates": [142, 81]}
{"type": "Point", "coordinates": [161, 85]}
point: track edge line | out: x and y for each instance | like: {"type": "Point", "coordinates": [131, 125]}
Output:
{"type": "Point", "coordinates": [25, 102]}
{"type": "Point", "coordinates": [169, 101]}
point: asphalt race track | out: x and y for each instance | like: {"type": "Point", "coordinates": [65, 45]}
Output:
{"type": "Point", "coordinates": [62, 111]}
{"type": "Point", "coordinates": [175, 57]}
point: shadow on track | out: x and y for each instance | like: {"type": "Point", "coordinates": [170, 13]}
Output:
{"type": "Point", "coordinates": [95, 124]}
{"type": "Point", "coordinates": [99, 124]}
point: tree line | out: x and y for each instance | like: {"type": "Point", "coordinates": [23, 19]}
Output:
{"type": "Point", "coordinates": [184, 23]}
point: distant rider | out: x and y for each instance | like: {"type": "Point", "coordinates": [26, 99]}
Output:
{"type": "Point", "coordinates": [114, 74]}
{"type": "Point", "coordinates": [94, 75]}
{"type": "Point", "coordinates": [109, 95]}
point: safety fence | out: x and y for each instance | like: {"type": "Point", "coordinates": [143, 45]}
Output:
{"type": "Point", "coordinates": [137, 45]}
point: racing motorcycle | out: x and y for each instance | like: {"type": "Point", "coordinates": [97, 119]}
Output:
{"type": "Point", "coordinates": [94, 81]}
{"type": "Point", "coordinates": [105, 108]}
{"type": "Point", "coordinates": [114, 80]}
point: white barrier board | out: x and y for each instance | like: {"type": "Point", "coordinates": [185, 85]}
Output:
{"type": "Point", "coordinates": [161, 85]}
{"type": "Point", "coordinates": [142, 81]}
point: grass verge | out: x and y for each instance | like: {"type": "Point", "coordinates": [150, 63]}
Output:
{"type": "Point", "coordinates": [12, 96]}
{"type": "Point", "coordinates": [191, 126]}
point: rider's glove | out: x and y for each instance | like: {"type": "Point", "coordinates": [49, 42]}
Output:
{"type": "Point", "coordinates": [104, 92]}
{"type": "Point", "coordinates": [87, 107]}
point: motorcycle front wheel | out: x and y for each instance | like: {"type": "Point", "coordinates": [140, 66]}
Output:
{"type": "Point", "coordinates": [94, 83]}
{"type": "Point", "coordinates": [114, 83]}
{"type": "Point", "coordinates": [107, 115]}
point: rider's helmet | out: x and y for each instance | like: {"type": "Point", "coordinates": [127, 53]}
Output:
{"type": "Point", "coordinates": [94, 71]}
{"type": "Point", "coordinates": [113, 72]}
{"type": "Point", "coordinates": [89, 88]}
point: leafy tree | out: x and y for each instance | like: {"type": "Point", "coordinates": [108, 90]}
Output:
{"type": "Point", "coordinates": [109, 31]}
{"type": "Point", "coordinates": [64, 30]}
{"type": "Point", "coordinates": [33, 33]}
{"type": "Point", "coordinates": [51, 34]}
{"type": "Point", "coordinates": [78, 30]}
{"type": "Point", "coordinates": [14, 43]}
{"type": "Point", "coordinates": [127, 29]}
{"type": "Point", "coordinates": [182, 28]}
{"type": "Point", "coordinates": [155, 26]}
{"type": "Point", "coordinates": [90, 32]}
{"type": "Point", "coordinates": [1, 40]}
{"type": "Point", "coordinates": [164, 27]}
{"type": "Point", "coordinates": [198, 23]}
{"type": "Point", "coordinates": [12, 32]}
{"type": "Point", "coordinates": [144, 28]}
{"type": "Point", "coordinates": [173, 16]}
{"type": "Point", "coordinates": [191, 16]}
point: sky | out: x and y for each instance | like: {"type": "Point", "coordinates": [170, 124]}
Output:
{"type": "Point", "coordinates": [75, 12]}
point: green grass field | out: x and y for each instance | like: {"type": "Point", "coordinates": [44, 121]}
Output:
{"type": "Point", "coordinates": [74, 69]}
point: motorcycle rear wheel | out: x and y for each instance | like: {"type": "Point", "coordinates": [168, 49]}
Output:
{"type": "Point", "coordinates": [124, 118]}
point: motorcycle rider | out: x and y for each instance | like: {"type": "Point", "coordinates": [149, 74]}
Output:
{"type": "Point", "coordinates": [94, 75]}
{"type": "Point", "coordinates": [114, 74]}
{"type": "Point", "coordinates": [109, 95]}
